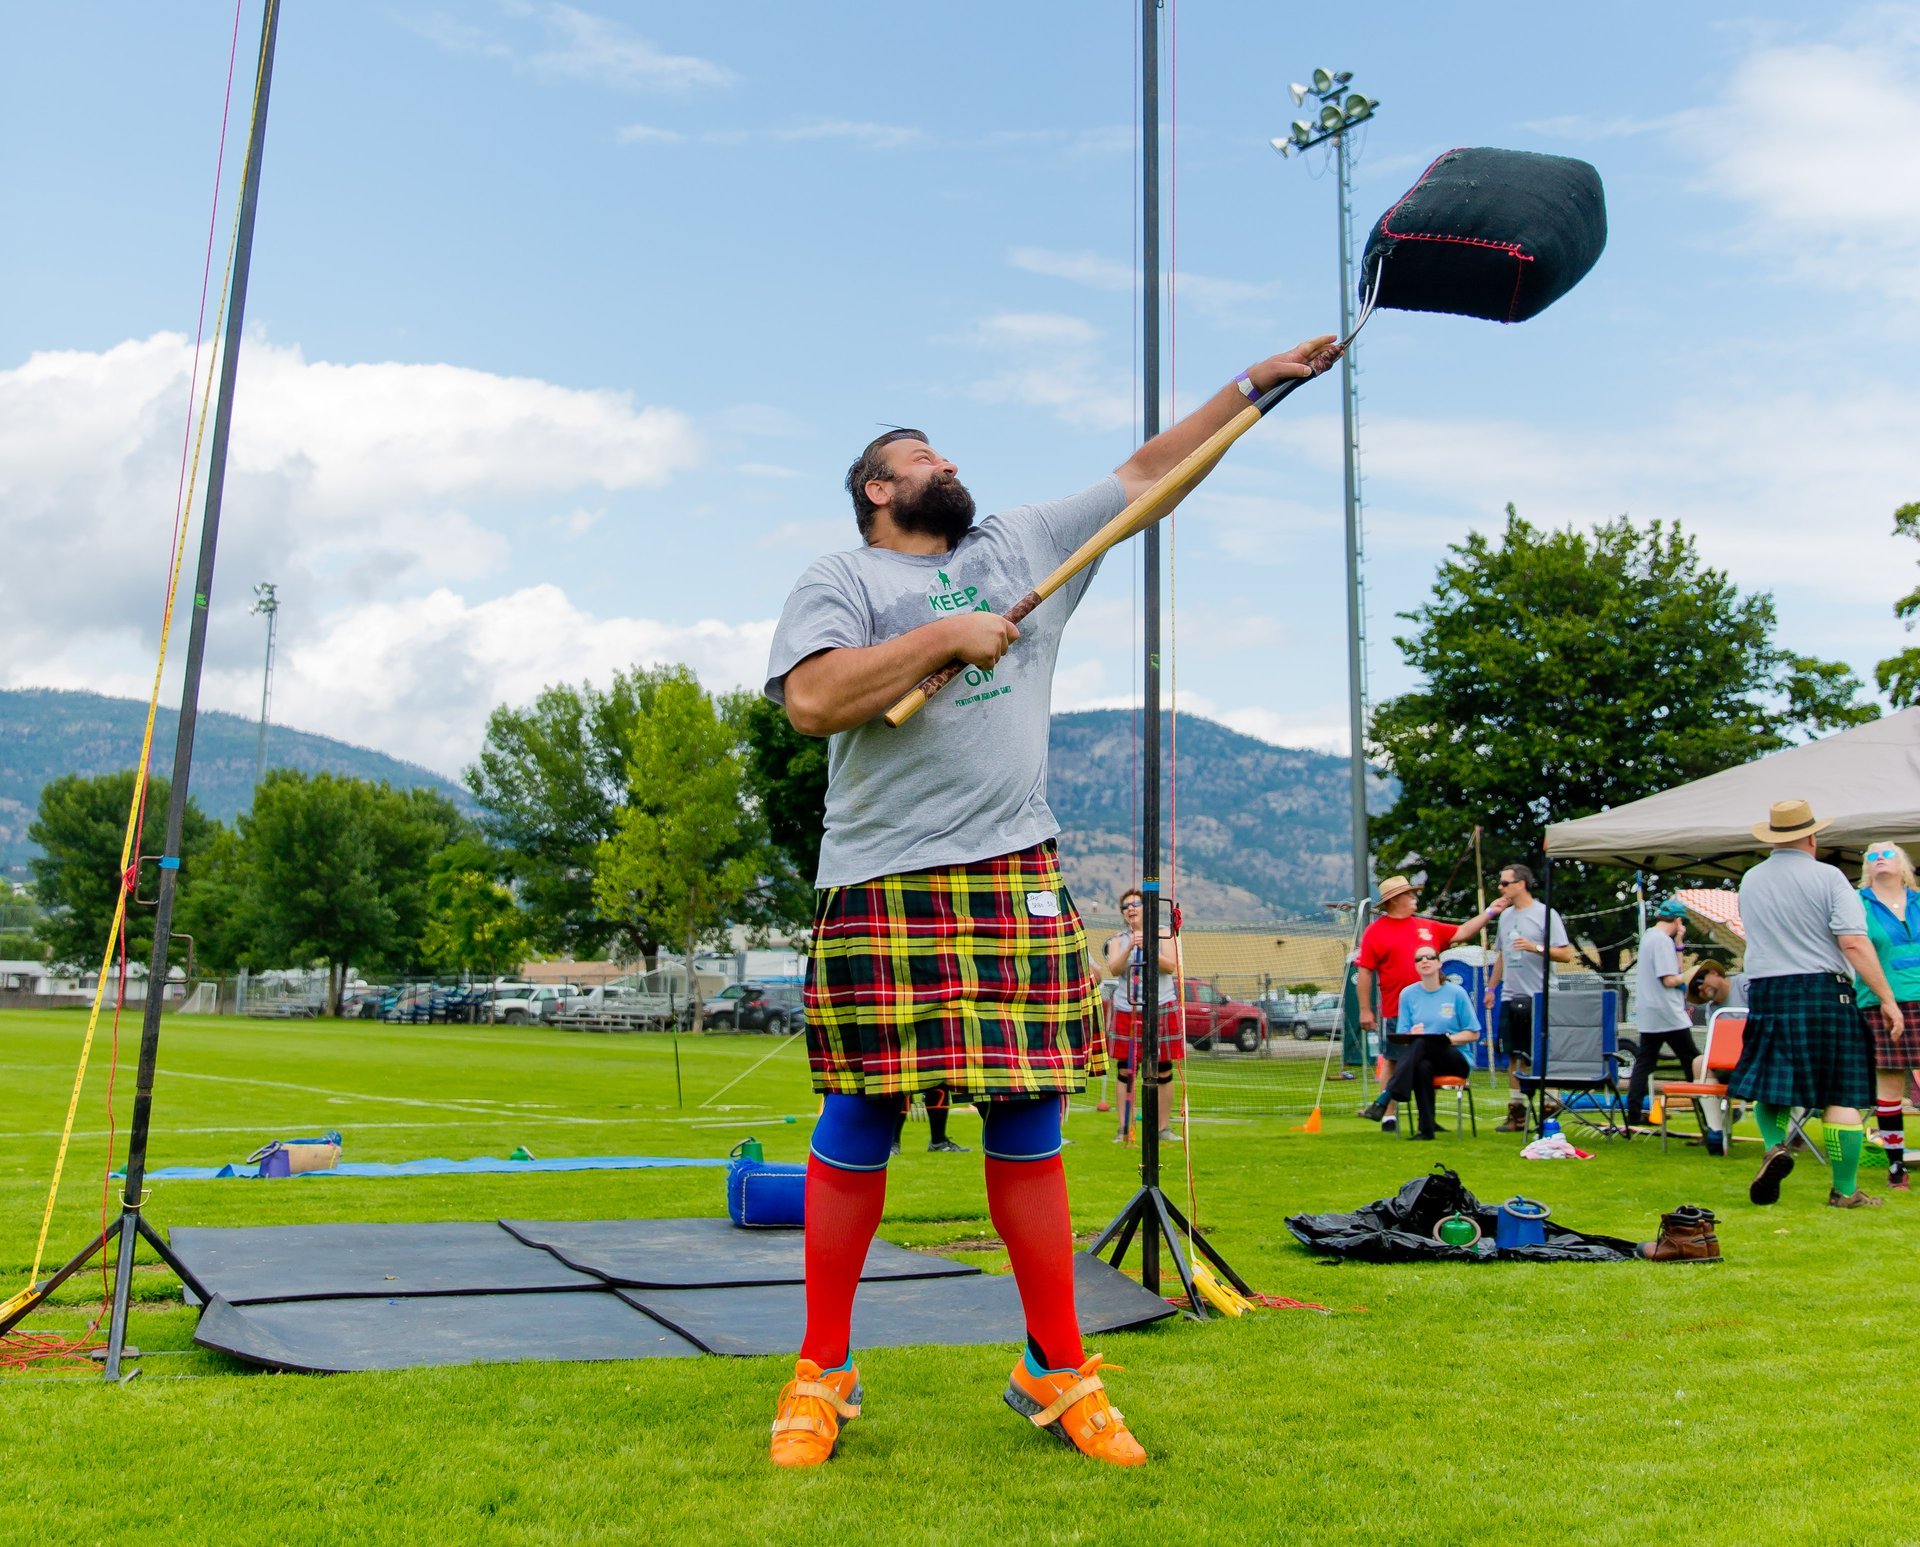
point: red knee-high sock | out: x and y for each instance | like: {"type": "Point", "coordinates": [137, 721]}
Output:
{"type": "Point", "coordinates": [1028, 1202]}
{"type": "Point", "coordinates": [843, 1211]}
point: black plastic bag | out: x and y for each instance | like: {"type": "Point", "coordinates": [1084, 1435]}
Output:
{"type": "Point", "coordinates": [1400, 1229]}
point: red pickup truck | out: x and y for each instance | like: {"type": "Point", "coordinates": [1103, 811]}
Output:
{"type": "Point", "coordinates": [1206, 1016]}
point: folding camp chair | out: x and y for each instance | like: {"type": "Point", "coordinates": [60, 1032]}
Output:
{"type": "Point", "coordinates": [1726, 1033]}
{"type": "Point", "coordinates": [1461, 1087]}
{"type": "Point", "coordinates": [1579, 1054]}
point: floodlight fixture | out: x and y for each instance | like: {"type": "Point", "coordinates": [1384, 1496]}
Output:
{"type": "Point", "coordinates": [1341, 111]}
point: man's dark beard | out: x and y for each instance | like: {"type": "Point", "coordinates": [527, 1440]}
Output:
{"type": "Point", "coordinates": [940, 507]}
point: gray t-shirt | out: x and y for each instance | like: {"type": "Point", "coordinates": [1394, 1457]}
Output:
{"type": "Point", "coordinates": [1791, 907]}
{"type": "Point", "coordinates": [1657, 1007]}
{"type": "Point", "coordinates": [1524, 973]}
{"type": "Point", "coordinates": [966, 778]}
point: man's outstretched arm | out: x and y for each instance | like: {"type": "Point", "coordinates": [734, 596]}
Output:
{"type": "Point", "coordinates": [1165, 451]}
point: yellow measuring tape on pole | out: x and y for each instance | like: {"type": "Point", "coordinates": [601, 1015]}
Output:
{"type": "Point", "coordinates": [130, 843]}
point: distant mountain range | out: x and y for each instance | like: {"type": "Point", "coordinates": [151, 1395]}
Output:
{"type": "Point", "coordinates": [45, 732]}
{"type": "Point", "coordinates": [1262, 830]}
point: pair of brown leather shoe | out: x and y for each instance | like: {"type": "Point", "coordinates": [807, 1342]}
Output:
{"type": "Point", "coordinates": [1686, 1235]}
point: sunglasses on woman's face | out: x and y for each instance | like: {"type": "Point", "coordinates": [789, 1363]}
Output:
{"type": "Point", "coordinates": [1425, 956]}
{"type": "Point", "coordinates": [1875, 855]}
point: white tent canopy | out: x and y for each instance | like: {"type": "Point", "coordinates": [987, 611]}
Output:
{"type": "Point", "coordinates": [1866, 779]}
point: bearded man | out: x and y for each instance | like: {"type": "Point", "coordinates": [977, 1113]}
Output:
{"type": "Point", "coordinates": [946, 951]}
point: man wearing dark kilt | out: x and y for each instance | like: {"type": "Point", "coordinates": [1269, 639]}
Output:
{"type": "Point", "coordinates": [946, 951]}
{"type": "Point", "coordinates": [1806, 1044]}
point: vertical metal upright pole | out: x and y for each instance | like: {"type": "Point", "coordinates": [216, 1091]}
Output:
{"type": "Point", "coordinates": [271, 607]}
{"type": "Point", "coordinates": [1356, 616]}
{"type": "Point", "coordinates": [131, 1198]}
{"type": "Point", "coordinates": [1149, 1054]}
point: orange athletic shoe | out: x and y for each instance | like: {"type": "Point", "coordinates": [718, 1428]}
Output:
{"type": "Point", "coordinates": [1072, 1406]}
{"type": "Point", "coordinates": [806, 1429]}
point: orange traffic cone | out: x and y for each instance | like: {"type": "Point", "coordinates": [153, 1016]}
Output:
{"type": "Point", "coordinates": [1311, 1125]}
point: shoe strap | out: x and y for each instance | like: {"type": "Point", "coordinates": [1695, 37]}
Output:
{"type": "Point", "coordinates": [827, 1394]}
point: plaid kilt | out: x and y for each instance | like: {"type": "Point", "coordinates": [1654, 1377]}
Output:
{"type": "Point", "coordinates": [1891, 1052]}
{"type": "Point", "coordinates": [1806, 1045]}
{"type": "Point", "coordinates": [949, 977]}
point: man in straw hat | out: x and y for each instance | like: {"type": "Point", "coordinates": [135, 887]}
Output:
{"type": "Point", "coordinates": [1806, 1045]}
{"type": "Point", "coordinates": [1386, 954]}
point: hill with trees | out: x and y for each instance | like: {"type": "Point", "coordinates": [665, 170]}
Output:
{"type": "Point", "coordinates": [46, 733]}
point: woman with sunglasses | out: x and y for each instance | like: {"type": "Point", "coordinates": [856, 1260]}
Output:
{"type": "Point", "coordinates": [1893, 926]}
{"type": "Point", "coordinates": [1437, 1019]}
{"type": "Point", "coordinates": [1124, 961]}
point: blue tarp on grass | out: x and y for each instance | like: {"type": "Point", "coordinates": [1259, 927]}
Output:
{"type": "Point", "coordinates": [435, 1167]}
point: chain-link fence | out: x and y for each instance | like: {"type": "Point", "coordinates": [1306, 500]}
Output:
{"type": "Point", "coordinates": [1260, 1013]}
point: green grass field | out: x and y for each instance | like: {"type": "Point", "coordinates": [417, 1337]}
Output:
{"type": "Point", "coordinates": [1761, 1398]}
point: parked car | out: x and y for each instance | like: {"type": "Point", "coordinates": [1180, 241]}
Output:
{"type": "Point", "coordinates": [774, 1007]}
{"type": "Point", "coordinates": [1322, 1019]}
{"type": "Point", "coordinates": [1205, 1016]}
{"type": "Point", "coordinates": [1283, 1016]}
{"type": "Point", "coordinates": [516, 1004]}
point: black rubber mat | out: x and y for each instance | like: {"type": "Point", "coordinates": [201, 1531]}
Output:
{"type": "Point", "coordinates": [332, 1336]}
{"type": "Point", "coordinates": [981, 1308]}
{"type": "Point", "coordinates": [705, 1253]}
{"type": "Point", "coordinates": [315, 1262]}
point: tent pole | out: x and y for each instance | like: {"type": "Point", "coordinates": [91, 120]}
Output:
{"type": "Point", "coordinates": [1546, 990]}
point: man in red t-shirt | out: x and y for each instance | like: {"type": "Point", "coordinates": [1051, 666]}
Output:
{"type": "Point", "coordinates": [1386, 954]}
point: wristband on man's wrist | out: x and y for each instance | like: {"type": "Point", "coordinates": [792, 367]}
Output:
{"type": "Point", "coordinates": [1244, 381]}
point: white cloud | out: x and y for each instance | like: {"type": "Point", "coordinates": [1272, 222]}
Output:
{"type": "Point", "coordinates": [1818, 141]}
{"type": "Point", "coordinates": [1217, 297]}
{"type": "Point", "coordinates": [873, 136]}
{"type": "Point", "coordinates": [348, 485]}
{"type": "Point", "coordinates": [417, 677]}
{"type": "Point", "coordinates": [1052, 361]}
{"type": "Point", "coordinates": [573, 45]}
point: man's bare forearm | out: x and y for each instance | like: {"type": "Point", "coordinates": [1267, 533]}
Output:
{"type": "Point", "coordinates": [1865, 961]}
{"type": "Point", "coordinates": [839, 689]}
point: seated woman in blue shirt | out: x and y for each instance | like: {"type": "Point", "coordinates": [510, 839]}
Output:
{"type": "Point", "coordinates": [1439, 1018]}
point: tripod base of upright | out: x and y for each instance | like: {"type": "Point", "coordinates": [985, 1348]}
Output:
{"type": "Point", "coordinates": [1152, 1217]}
{"type": "Point", "coordinates": [129, 1230]}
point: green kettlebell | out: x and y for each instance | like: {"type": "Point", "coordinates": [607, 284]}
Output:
{"type": "Point", "coordinates": [1457, 1230]}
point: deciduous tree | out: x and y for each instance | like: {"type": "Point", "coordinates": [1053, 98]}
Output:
{"type": "Point", "coordinates": [1899, 675]}
{"type": "Point", "coordinates": [81, 828]}
{"type": "Point", "coordinates": [683, 857]}
{"type": "Point", "coordinates": [473, 922]}
{"type": "Point", "coordinates": [551, 780]}
{"type": "Point", "coordinates": [1566, 672]}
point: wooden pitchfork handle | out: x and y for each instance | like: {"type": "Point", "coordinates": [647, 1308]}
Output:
{"type": "Point", "coordinates": [1166, 492]}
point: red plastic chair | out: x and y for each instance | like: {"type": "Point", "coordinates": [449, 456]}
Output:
{"type": "Point", "coordinates": [1726, 1033]}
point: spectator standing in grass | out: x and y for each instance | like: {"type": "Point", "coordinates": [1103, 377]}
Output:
{"type": "Point", "coordinates": [1806, 1044]}
{"type": "Point", "coordinates": [1386, 961]}
{"type": "Point", "coordinates": [1125, 959]}
{"type": "Point", "coordinates": [1892, 906]}
{"type": "Point", "coordinates": [1435, 1020]}
{"type": "Point", "coordinates": [1660, 1004]}
{"type": "Point", "coordinates": [1520, 972]}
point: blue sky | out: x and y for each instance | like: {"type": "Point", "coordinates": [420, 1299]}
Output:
{"type": "Point", "coordinates": [565, 324]}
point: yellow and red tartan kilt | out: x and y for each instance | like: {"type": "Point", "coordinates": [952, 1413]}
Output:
{"type": "Point", "coordinates": [975, 977]}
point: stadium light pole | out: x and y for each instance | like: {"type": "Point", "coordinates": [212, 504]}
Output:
{"type": "Point", "coordinates": [1340, 111]}
{"type": "Point", "coordinates": [268, 605]}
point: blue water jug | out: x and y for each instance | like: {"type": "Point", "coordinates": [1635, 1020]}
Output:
{"type": "Point", "coordinates": [1520, 1222]}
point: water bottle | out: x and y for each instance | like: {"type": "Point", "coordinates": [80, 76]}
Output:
{"type": "Point", "coordinates": [1550, 1128]}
